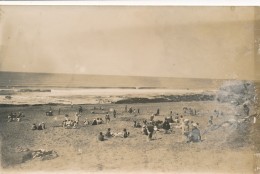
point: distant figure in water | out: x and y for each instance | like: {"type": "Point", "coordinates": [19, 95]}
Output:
{"type": "Point", "coordinates": [125, 108]}
{"type": "Point", "coordinates": [138, 111]}
{"type": "Point", "coordinates": [101, 137]}
{"type": "Point", "coordinates": [59, 111]}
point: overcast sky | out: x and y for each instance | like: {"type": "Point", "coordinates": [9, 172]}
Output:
{"type": "Point", "coordinates": [200, 42]}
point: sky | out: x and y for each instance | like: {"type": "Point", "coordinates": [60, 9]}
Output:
{"type": "Point", "coordinates": [192, 42]}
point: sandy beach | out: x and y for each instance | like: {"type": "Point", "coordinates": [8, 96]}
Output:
{"type": "Point", "coordinates": [227, 149]}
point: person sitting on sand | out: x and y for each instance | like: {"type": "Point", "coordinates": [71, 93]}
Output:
{"type": "Point", "coordinates": [101, 137]}
{"type": "Point", "coordinates": [9, 117]}
{"type": "Point", "coordinates": [157, 112]}
{"type": "Point", "coordinates": [194, 135]}
{"type": "Point", "coordinates": [94, 122]}
{"type": "Point", "coordinates": [144, 130]}
{"type": "Point", "coordinates": [135, 124]}
{"type": "Point", "coordinates": [181, 119]}
{"type": "Point", "coordinates": [86, 122]}
{"type": "Point", "coordinates": [138, 125]}
{"type": "Point", "coordinates": [99, 121]}
{"type": "Point", "coordinates": [210, 122]}
{"type": "Point", "coordinates": [125, 133]}
{"type": "Point", "coordinates": [75, 125]}
{"type": "Point", "coordinates": [166, 125]}
{"type": "Point", "coordinates": [152, 117]}
{"type": "Point", "coordinates": [108, 133]}
{"type": "Point", "coordinates": [176, 120]}
{"type": "Point", "coordinates": [34, 127]}
{"type": "Point", "coordinates": [170, 119]}
{"type": "Point", "coordinates": [66, 117]}
{"type": "Point", "coordinates": [43, 125]}
{"type": "Point", "coordinates": [39, 127]}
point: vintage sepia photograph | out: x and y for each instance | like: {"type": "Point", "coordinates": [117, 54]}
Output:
{"type": "Point", "coordinates": [129, 89]}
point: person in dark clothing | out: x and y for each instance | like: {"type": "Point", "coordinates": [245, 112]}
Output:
{"type": "Point", "coordinates": [150, 131]}
{"type": "Point", "coordinates": [130, 110]}
{"type": "Point", "coordinates": [166, 125]}
{"type": "Point", "coordinates": [40, 127]}
{"type": "Point", "coordinates": [101, 137]}
{"type": "Point", "coordinates": [125, 108]}
{"type": "Point", "coordinates": [80, 109]}
{"type": "Point", "coordinates": [114, 113]}
{"type": "Point", "coordinates": [125, 133]}
{"type": "Point", "coordinates": [246, 110]}
{"type": "Point", "coordinates": [158, 112]}
{"type": "Point", "coordinates": [94, 122]}
{"type": "Point", "coordinates": [108, 133]}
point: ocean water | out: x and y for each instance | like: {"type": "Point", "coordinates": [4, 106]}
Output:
{"type": "Point", "coordinates": [45, 80]}
{"type": "Point", "coordinates": [43, 88]}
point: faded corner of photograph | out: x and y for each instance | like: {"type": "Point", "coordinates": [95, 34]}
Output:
{"type": "Point", "coordinates": [129, 89]}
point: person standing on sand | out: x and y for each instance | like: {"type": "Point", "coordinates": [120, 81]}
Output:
{"type": "Point", "coordinates": [80, 109]}
{"type": "Point", "coordinates": [66, 117]}
{"type": "Point", "coordinates": [185, 128]}
{"type": "Point", "coordinates": [77, 115]}
{"type": "Point", "coordinates": [114, 113]}
{"type": "Point", "coordinates": [150, 129]}
{"type": "Point", "coordinates": [107, 118]}
{"type": "Point", "coordinates": [166, 125]}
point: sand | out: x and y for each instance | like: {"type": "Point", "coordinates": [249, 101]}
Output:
{"type": "Point", "coordinates": [224, 150]}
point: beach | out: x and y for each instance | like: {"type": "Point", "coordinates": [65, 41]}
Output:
{"type": "Point", "coordinates": [79, 150]}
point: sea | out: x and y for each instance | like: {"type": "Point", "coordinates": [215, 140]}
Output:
{"type": "Point", "coordinates": [43, 88]}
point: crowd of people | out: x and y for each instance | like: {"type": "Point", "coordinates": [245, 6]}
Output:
{"type": "Point", "coordinates": [13, 116]}
{"type": "Point", "coordinates": [190, 130]}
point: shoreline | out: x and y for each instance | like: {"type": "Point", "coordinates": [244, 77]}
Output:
{"type": "Point", "coordinates": [119, 99]}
